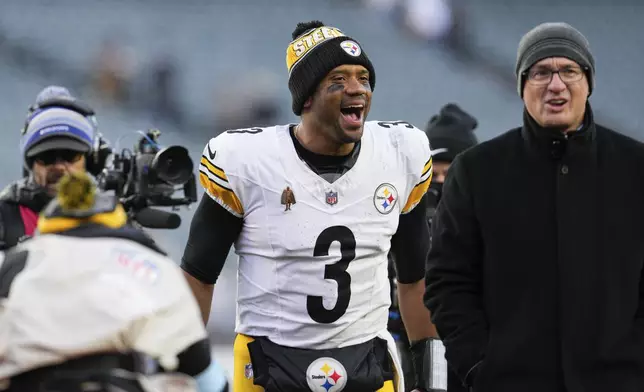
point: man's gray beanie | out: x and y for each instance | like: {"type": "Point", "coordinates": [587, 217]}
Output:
{"type": "Point", "coordinates": [554, 40]}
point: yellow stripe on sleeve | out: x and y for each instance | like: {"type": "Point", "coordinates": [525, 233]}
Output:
{"type": "Point", "coordinates": [420, 189]}
{"type": "Point", "coordinates": [223, 195]}
{"type": "Point", "coordinates": [214, 169]}
{"type": "Point", "coordinates": [426, 169]}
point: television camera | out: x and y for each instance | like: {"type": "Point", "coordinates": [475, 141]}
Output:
{"type": "Point", "coordinates": [148, 177]}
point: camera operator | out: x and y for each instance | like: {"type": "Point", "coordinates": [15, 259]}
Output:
{"type": "Point", "coordinates": [90, 299]}
{"type": "Point", "coordinates": [60, 136]}
{"type": "Point", "coordinates": [450, 132]}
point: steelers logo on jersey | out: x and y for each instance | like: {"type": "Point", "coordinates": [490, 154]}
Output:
{"type": "Point", "coordinates": [385, 198]}
{"type": "Point", "coordinates": [326, 375]}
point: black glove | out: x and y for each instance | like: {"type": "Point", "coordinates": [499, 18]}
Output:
{"type": "Point", "coordinates": [430, 367]}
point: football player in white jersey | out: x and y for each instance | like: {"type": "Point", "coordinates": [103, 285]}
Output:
{"type": "Point", "coordinates": [313, 210]}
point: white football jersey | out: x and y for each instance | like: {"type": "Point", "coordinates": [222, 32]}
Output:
{"type": "Point", "coordinates": [79, 296]}
{"type": "Point", "coordinates": [313, 254]}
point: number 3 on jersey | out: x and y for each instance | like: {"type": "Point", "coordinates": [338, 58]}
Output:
{"type": "Point", "coordinates": [336, 271]}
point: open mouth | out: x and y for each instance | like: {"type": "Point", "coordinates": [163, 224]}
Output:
{"type": "Point", "coordinates": [557, 103]}
{"type": "Point", "coordinates": [352, 114]}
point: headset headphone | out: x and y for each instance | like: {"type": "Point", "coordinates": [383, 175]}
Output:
{"type": "Point", "coordinates": [100, 151]}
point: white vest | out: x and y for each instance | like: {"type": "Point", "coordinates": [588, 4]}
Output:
{"type": "Point", "coordinates": [81, 296]}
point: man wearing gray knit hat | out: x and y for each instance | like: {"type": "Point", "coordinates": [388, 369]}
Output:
{"type": "Point", "coordinates": [535, 276]}
{"type": "Point", "coordinates": [554, 40]}
{"type": "Point", "coordinates": [546, 50]}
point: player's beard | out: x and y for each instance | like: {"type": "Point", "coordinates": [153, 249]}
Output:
{"type": "Point", "coordinates": [351, 136]}
{"type": "Point", "coordinates": [346, 136]}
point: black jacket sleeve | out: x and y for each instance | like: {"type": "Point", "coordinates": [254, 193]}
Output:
{"type": "Point", "coordinates": [213, 231]}
{"type": "Point", "coordinates": [3, 242]}
{"type": "Point", "coordinates": [453, 276]}
{"type": "Point", "coordinates": [410, 244]}
{"type": "Point", "coordinates": [639, 316]}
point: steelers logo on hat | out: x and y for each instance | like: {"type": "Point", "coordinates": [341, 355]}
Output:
{"type": "Point", "coordinates": [352, 48]}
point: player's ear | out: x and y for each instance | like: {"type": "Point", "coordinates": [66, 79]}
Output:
{"type": "Point", "coordinates": [307, 103]}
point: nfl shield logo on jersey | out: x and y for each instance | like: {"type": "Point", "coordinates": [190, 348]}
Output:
{"type": "Point", "coordinates": [385, 198]}
{"type": "Point", "coordinates": [248, 371]}
{"type": "Point", "coordinates": [326, 375]}
{"type": "Point", "coordinates": [331, 198]}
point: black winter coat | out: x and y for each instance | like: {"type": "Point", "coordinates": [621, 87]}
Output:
{"type": "Point", "coordinates": [534, 277]}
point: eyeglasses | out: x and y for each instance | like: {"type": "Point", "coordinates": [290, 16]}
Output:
{"type": "Point", "coordinates": [50, 157]}
{"type": "Point", "coordinates": [543, 76]}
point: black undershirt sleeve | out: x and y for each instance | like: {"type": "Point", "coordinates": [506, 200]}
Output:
{"type": "Point", "coordinates": [213, 231]}
{"type": "Point", "coordinates": [195, 359]}
{"type": "Point", "coordinates": [410, 244]}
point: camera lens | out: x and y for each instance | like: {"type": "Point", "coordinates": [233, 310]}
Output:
{"type": "Point", "coordinates": [173, 165]}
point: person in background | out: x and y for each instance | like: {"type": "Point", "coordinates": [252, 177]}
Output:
{"type": "Point", "coordinates": [60, 136]}
{"type": "Point", "coordinates": [450, 132]}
